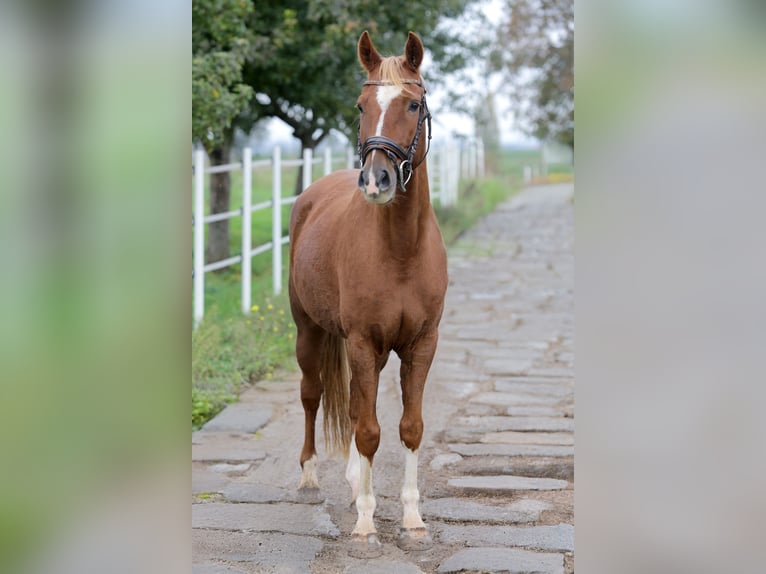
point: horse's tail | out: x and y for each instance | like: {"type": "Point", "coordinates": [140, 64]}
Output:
{"type": "Point", "coordinates": [335, 375]}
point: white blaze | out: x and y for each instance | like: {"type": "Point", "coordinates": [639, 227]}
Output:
{"type": "Point", "coordinates": [385, 95]}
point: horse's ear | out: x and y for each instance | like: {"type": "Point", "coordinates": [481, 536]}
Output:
{"type": "Point", "coordinates": [413, 52]}
{"type": "Point", "coordinates": [368, 55]}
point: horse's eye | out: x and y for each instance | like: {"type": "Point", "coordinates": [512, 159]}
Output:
{"type": "Point", "coordinates": [414, 106]}
{"type": "Point", "coordinates": [359, 107]}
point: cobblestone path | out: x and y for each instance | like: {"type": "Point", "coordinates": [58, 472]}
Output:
{"type": "Point", "coordinates": [496, 465]}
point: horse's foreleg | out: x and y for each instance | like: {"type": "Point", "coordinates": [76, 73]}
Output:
{"type": "Point", "coordinates": [364, 392]}
{"type": "Point", "coordinates": [308, 345]}
{"type": "Point", "coordinates": [415, 365]}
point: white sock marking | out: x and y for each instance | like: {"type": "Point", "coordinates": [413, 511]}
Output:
{"type": "Point", "coordinates": [365, 502]}
{"type": "Point", "coordinates": [410, 494]}
{"type": "Point", "coordinates": [309, 474]}
{"type": "Point", "coordinates": [353, 469]}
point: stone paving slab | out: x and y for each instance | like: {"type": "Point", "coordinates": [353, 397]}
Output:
{"type": "Point", "coordinates": [517, 437]}
{"type": "Point", "coordinates": [516, 399]}
{"type": "Point", "coordinates": [559, 537]}
{"type": "Point", "coordinates": [442, 460]}
{"type": "Point", "coordinates": [382, 567]}
{"type": "Point", "coordinates": [241, 417]}
{"type": "Point", "coordinates": [457, 509]}
{"type": "Point", "coordinates": [215, 569]}
{"type": "Point", "coordinates": [208, 446]}
{"type": "Point", "coordinates": [250, 492]}
{"type": "Point", "coordinates": [533, 411]}
{"type": "Point", "coordinates": [495, 424]}
{"type": "Point", "coordinates": [507, 482]}
{"type": "Point", "coordinates": [555, 389]}
{"type": "Point", "coordinates": [502, 560]}
{"type": "Point", "coordinates": [259, 551]}
{"type": "Point", "coordinates": [507, 366]}
{"type": "Point", "coordinates": [205, 481]}
{"type": "Point", "coordinates": [303, 519]}
{"type": "Point", "coordinates": [511, 450]}
{"type": "Point", "coordinates": [536, 466]}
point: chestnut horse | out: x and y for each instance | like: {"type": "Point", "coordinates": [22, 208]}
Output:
{"type": "Point", "coordinates": [368, 275]}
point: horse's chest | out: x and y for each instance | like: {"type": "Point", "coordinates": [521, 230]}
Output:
{"type": "Point", "coordinates": [399, 310]}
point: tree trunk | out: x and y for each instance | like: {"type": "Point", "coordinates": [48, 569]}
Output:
{"type": "Point", "coordinates": [220, 196]}
{"type": "Point", "coordinates": [307, 142]}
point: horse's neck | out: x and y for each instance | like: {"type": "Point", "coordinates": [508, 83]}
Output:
{"type": "Point", "coordinates": [404, 222]}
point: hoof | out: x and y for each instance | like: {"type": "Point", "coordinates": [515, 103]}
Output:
{"type": "Point", "coordinates": [365, 546]}
{"type": "Point", "coordinates": [414, 539]}
{"type": "Point", "coordinates": [309, 495]}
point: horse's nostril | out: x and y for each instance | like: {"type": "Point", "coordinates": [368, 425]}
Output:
{"type": "Point", "coordinates": [364, 179]}
{"type": "Point", "coordinates": [385, 180]}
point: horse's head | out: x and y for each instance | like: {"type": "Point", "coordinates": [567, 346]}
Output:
{"type": "Point", "coordinates": [392, 114]}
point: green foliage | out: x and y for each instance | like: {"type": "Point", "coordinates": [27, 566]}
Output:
{"type": "Point", "coordinates": [220, 44]}
{"type": "Point", "coordinates": [230, 350]}
{"type": "Point", "coordinates": [476, 199]}
{"type": "Point", "coordinates": [536, 52]}
{"type": "Point", "coordinates": [304, 66]}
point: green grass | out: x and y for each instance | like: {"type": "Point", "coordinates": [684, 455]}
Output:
{"type": "Point", "coordinates": [475, 199]}
{"type": "Point", "coordinates": [231, 350]}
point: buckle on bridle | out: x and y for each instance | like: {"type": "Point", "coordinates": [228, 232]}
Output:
{"type": "Point", "coordinates": [405, 180]}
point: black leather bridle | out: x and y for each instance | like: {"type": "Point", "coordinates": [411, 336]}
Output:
{"type": "Point", "coordinates": [405, 166]}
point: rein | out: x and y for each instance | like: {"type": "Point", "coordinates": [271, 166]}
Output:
{"type": "Point", "coordinates": [393, 150]}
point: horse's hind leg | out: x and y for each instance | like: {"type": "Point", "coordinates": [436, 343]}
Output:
{"type": "Point", "coordinates": [308, 349]}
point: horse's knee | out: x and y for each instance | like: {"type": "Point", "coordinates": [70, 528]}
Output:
{"type": "Point", "coordinates": [411, 432]}
{"type": "Point", "coordinates": [367, 437]}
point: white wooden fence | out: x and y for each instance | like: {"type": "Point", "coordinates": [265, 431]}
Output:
{"type": "Point", "coordinates": [448, 164]}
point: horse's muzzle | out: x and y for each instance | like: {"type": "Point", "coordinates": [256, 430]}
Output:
{"type": "Point", "coordinates": [383, 187]}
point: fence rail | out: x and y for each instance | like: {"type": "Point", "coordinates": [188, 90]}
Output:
{"type": "Point", "coordinates": [448, 164]}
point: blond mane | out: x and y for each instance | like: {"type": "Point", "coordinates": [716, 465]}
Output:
{"type": "Point", "coordinates": [391, 71]}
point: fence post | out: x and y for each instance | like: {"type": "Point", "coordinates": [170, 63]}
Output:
{"type": "Point", "coordinates": [327, 160]}
{"type": "Point", "coordinates": [276, 220]}
{"type": "Point", "coordinates": [308, 167]}
{"type": "Point", "coordinates": [455, 161]}
{"type": "Point", "coordinates": [199, 235]}
{"type": "Point", "coordinates": [527, 174]}
{"type": "Point", "coordinates": [480, 157]}
{"type": "Point", "coordinates": [350, 159]}
{"type": "Point", "coordinates": [247, 243]}
{"type": "Point", "coordinates": [464, 169]}
{"type": "Point", "coordinates": [443, 178]}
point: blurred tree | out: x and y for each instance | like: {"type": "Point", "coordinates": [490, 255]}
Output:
{"type": "Point", "coordinates": [304, 67]}
{"type": "Point", "coordinates": [536, 51]}
{"type": "Point", "coordinates": [301, 64]}
{"type": "Point", "coordinates": [220, 45]}
{"type": "Point", "coordinates": [487, 128]}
